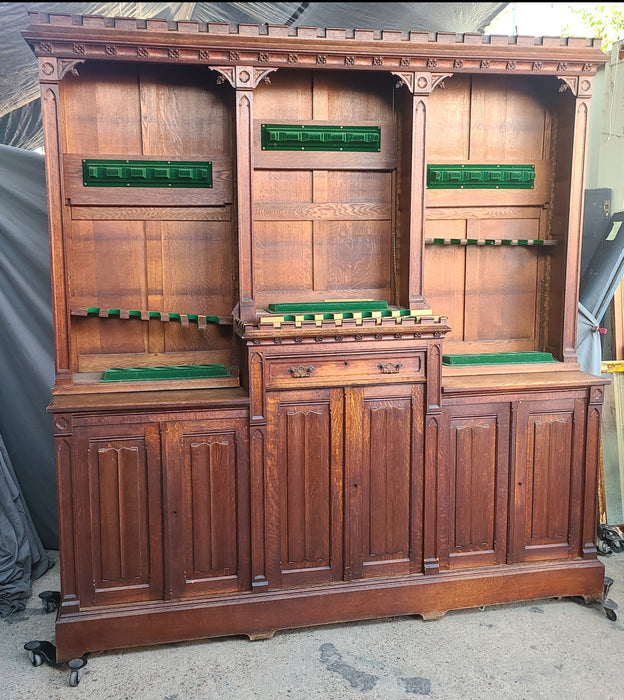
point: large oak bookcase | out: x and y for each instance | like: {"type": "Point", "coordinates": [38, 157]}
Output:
{"type": "Point", "coordinates": [337, 230]}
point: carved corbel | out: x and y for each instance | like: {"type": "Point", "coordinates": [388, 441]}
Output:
{"type": "Point", "coordinates": [53, 70]}
{"type": "Point", "coordinates": [242, 77]}
{"type": "Point", "coordinates": [421, 83]}
{"type": "Point", "coordinates": [68, 65]}
{"type": "Point", "coordinates": [578, 86]}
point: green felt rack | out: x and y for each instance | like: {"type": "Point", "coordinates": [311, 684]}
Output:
{"type": "Point", "coordinates": [138, 374]}
{"type": "Point", "coordinates": [343, 313]}
{"type": "Point", "coordinates": [528, 242]}
{"type": "Point", "coordinates": [327, 306]}
{"type": "Point", "coordinates": [497, 358]}
{"type": "Point", "coordinates": [182, 319]}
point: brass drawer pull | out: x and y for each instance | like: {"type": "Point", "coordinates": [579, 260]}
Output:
{"type": "Point", "coordinates": [390, 367]}
{"type": "Point", "coordinates": [301, 371]}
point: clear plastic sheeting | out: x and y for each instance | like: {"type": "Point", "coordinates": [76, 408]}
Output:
{"type": "Point", "coordinates": [27, 339]}
{"type": "Point", "coordinates": [19, 83]}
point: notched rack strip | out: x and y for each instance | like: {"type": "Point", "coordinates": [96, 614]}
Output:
{"type": "Point", "coordinates": [184, 319]}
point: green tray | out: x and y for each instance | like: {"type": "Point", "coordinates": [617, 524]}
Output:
{"type": "Point", "coordinates": [139, 374]}
{"type": "Point", "coordinates": [498, 358]}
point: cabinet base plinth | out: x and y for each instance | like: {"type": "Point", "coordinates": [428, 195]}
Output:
{"type": "Point", "coordinates": [259, 615]}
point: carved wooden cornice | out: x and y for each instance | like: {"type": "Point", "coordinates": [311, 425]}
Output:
{"type": "Point", "coordinates": [270, 47]}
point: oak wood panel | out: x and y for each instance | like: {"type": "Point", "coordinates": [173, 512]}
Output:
{"type": "Point", "coordinates": [507, 119]}
{"type": "Point", "coordinates": [445, 275]}
{"type": "Point", "coordinates": [330, 211]}
{"type": "Point", "coordinates": [307, 486]}
{"type": "Point", "coordinates": [478, 484]}
{"type": "Point", "coordinates": [353, 257]}
{"type": "Point", "coordinates": [106, 264]}
{"type": "Point", "coordinates": [283, 259]}
{"type": "Point", "coordinates": [388, 468]}
{"type": "Point", "coordinates": [448, 121]}
{"type": "Point", "coordinates": [101, 110]}
{"type": "Point", "coordinates": [215, 507]}
{"type": "Point", "coordinates": [548, 479]}
{"type": "Point", "coordinates": [282, 188]}
{"type": "Point", "coordinates": [118, 213]}
{"type": "Point", "coordinates": [183, 112]}
{"type": "Point", "coordinates": [100, 362]}
{"type": "Point", "coordinates": [197, 270]}
{"type": "Point", "coordinates": [117, 478]}
{"type": "Point", "coordinates": [289, 94]}
{"type": "Point", "coordinates": [501, 294]}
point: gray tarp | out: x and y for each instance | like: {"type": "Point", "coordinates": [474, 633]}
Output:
{"type": "Point", "coordinates": [27, 373]}
{"type": "Point", "coordinates": [22, 556]}
{"type": "Point", "coordinates": [26, 334]}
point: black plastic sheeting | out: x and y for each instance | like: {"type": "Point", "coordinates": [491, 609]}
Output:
{"type": "Point", "coordinates": [20, 119]}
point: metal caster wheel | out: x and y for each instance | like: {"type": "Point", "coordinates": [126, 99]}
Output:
{"type": "Point", "coordinates": [35, 659]}
{"type": "Point", "coordinates": [75, 667]}
{"type": "Point", "coordinates": [74, 678]}
{"type": "Point", "coordinates": [611, 614]}
{"type": "Point", "coordinates": [46, 651]}
{"type": "Point", "coordinates": [51, 600]}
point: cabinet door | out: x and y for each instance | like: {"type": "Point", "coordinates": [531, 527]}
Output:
{"type": "Point", "coordinates": [478, 458]}
{"type": "Point", "coordinates": [206, 507]}
{"type": "Point", "coordinates": [118, 513]}
{"type": "Point", "coordinates": [548, 479]}
{"type": "Point", "coordinates": [384, 462]}
{"type": "Point", "coordinates": [304, 488]}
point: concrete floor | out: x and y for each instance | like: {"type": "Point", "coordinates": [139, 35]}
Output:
{"type": "Point", "coordinates": [543, 649]}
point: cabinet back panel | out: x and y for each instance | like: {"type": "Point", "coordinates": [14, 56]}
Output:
{"type": "Point", "coordinates": [352, 256]}
{"type": "Point", "coordinates": [180, 115]}
{"type": "Point", "coordinates": [101, 110]}
{"type": "Point", "coordinates": [445, 274]}
{"type": "Point", "coordinates": [106, 264]}
{"type": "Point", "coordinates": [507, 120]}
{"type": "Point", "coordinates": [148, 111]}
{"type": "Point", "coordinates": [448, 121]}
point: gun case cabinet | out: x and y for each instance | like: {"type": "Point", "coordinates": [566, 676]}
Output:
{"type": "Point", "coordinates": [315, 296]}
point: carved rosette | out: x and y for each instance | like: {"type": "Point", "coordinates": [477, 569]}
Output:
{"type": "Point", "coordinates": [242, 77]}
{"type": "Point", "coordinates": [48, 69]}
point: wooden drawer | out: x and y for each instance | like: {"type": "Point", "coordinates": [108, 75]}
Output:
{"type": "Point", "coordinates": [338, 370]}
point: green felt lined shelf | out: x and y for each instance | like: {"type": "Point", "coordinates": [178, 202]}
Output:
{"type": "Point", "coordinates": [497, 358]}
{"type": "Point", "coordinates": [138, 374]}
{"type": "Point", "coordinates": [327, 306]}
